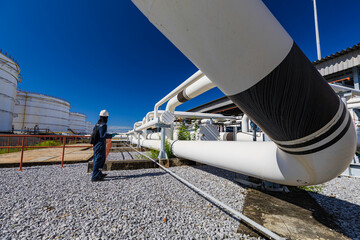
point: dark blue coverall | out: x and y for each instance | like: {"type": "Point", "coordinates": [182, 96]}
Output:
{"type": "Point", "coordinates": [100, 151]}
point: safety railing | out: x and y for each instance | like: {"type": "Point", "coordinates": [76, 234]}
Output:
{"type": "Point", "coordinates": [108, 146]}
{"type": "Point", "coordinates": [24, 143]}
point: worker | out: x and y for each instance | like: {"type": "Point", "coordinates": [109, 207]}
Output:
{"type": "Point", "coordinates": [98, 139]}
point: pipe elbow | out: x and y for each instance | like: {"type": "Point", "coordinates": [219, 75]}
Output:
{"type": "Point", "coordinates": [321, 156]}
{"type": "Point", "coordinates": [172, 104]}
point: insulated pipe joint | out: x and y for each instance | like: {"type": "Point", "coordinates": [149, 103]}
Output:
{"type": "Point", "coordinates": [195, 89]}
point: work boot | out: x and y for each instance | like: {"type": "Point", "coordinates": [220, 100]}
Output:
{"type": "Point", "coordinates": [97, 179]}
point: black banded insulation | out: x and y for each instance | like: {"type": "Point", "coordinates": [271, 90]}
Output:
{"type": "Point", "coordinates": [291, 102]}
{"type": "Point", "coordinates": [182, 97]}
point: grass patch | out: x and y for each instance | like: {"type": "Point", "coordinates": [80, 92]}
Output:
{"type": "Point", "coordinates": [314, 188]}
{"type": "Point", "coordinates": [184, 134]}
{"type": "Point", "coordinates": [153, 154]}
{"type": "Point", "coordinates": [44, 143]}
{"type": "Point", "coordinates": [168, 149]}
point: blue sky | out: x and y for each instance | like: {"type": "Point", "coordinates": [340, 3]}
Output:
{"type": "Point", "coordinates": [106, 55]}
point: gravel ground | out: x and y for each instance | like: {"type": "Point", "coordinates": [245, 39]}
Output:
{"type": "Point", "coordinates": [340, 197]}
{"type": "Point", "coordinates": [49, 202]}
{"type": "Point", "coordinates": [123, 156]}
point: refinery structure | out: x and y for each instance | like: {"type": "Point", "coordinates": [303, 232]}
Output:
{"type": "Point", "coordinates": [285, 127]}
{"type": "Point", "coordinates": [34, 113]}
{"type": "Point", "coordinates": [276, 99]}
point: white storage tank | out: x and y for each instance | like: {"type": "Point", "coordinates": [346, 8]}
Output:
{"type": "Point", "coordinates": [9, 78]}
{"type": "Point", "coordinates": [89, 127]}
{"type": "Point", "coordinates": [40, 111]}
{"type": "Point", "coordinates": [77, 123]}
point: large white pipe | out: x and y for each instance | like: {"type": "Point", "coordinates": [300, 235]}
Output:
{"type": "Point", "coordinates": [263, 71]}
{"type": "Point", "coordinates": [353, 105]}
{"type": "Point", "coordinates": [248, 137]}
{"type": "Point", "coordinates": [153, 136]}
{"type": "Point", "coordinates": [151, 144]}
{"type": "Point", "coordinates": [196, 76]}
{"type": "Point", "coordinates": [353, 100]}
{"type": "Point", "coordinates": [240, 136]}
{"type": "Point", "coordinates": [202, 85]}
{"type": "Point", "coordinates": [271, 163]}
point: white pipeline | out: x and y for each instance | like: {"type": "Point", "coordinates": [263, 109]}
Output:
{"type": "Point", "coordinates": [202, 85]}
{"type": "Point", "coordinates": [264, 72]}
{"type": "Point", "coordinates": [178, 89]}
{"type": "Point", "coordinates": [217, 202]}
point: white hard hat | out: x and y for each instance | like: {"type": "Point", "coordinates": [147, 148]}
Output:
{"type": "Point", "coordinates": [104, 113]}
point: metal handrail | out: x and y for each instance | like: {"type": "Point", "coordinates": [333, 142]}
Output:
{"type": "Point", "coordinates": [55, 137]}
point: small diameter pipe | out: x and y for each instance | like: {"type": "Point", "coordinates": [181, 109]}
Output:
{"type": "Point", "coordinates": [339, 88]}
{"type": "Point", "coordinates": [317, 32]}
{"type": "Point", "coordinates": [155, 121]}
{"type": "Point", "coordinates": [150, 115]}
{"type": "Point", "coordinates": [353, 105]}
{"type": "Point", "coordinates": [204, 84]}
{"type": "Point", "coordinates": [178, 89]}
{"type": "Point", "coordinates": [216, 201]}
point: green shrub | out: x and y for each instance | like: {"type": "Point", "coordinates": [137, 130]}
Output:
{"type": "Point", "coordinates": [184, 134]}
{"type": "Point", "coordinates": [49, 143]}
{"type": "Point", "coordinates": [314, 188]}
{"type": "Point", "coordinates": [153, 154]}
{"type": "Point", "coordinates": [44, 143]}
{"type": "Point", "coordinates": [168, 149]}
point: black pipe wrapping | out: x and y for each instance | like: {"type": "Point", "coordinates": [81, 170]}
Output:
{"type": "Point", "coordinates": [291, 102]}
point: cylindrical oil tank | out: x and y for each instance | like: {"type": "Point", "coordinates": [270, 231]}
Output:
{"type": "Point", "coordinates": [9, 78]}
{"type": "Point", "coordinates": [89, 127]}
{"type": "Point", "coordinates": [77, 123]}
{"type": "Point", "coordinates": [42, 112]}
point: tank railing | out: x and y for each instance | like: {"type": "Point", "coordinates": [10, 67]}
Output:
{"type": "Point", "coordinates": [30, 142]}
{"type": "Point", "coordinates": [34, 131]}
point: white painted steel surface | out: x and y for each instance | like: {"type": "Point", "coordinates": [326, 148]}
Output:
{"type": "Point", "coordinates": [77, 122]}
{"type": "Point", "coordinates": [236, 44]}
{"type": "Point", "coordinates": [196, 76]}
{"type": "Point", "coordinates": [200, 86]}
{"type": "Point", "coordinates": [45, 111]}
{"type": "Point", "coordinates": [153, 136]}
{"type": "Point", "coordinates": [276, 165]}
{"type": "Point", "coordinates": [242, 34]}
{"type": "Point", "coordinates": [9, 76]}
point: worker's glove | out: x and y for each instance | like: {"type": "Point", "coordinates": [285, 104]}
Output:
{"type": "Point", "coordinates": [113, 135]}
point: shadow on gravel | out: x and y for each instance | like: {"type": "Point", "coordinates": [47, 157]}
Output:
{"type": "Point", "coordinates": [217, 172]}
{"type": "Point", "coordinates": [344, 211]}
{"type": "Point", "coordinates": [125, 177]}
